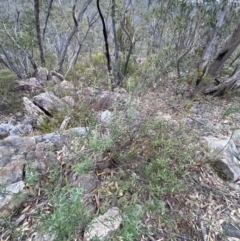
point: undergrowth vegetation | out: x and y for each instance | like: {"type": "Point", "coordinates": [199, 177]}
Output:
{"type": "Point", "coordinates": [9, 99]}
{"type": "Point", "coordinates": [149, 161]}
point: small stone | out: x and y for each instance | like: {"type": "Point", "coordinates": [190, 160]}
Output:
{"type": "Point", "coordinates": [88, 182]}
{"type": "Point", "coordinates": [225, 122]}
{"type": "Point", "coordinates": [106, 116]}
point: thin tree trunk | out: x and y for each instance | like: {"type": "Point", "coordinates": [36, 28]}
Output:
{"type": "Point", "coordinates": [11, 64]}
{"type": "Point", "coordinates": [47, 17]}
{"type": "Point", "coordinates": [132, 42]}
{"type": "Point", "coordinates": [116, 49]}
{"type": "Point", "coordinates": [72, 33]}
{"type": "Point", "coordinates": [37, 25]}
{"type": "Point", "coordinates": [80, 43]}
{"type": "Point", "coordinates": [106, 44]}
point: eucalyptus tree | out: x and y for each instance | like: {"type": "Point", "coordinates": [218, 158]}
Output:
{"type": "Point", "coordinates": [188, 35]}
{"type": "Point", "coordinates": [37, 33]}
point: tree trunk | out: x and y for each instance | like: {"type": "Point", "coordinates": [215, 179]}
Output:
{"type": "Point", "coordinates": [228, 48]}
{"type": "Point", "coordinates": [212, 40]}
{"type": "Point", "coordinates": [37, 25]}
{"type": "Point", "coordinates": [116, 49]}
{"type": "Point", "coordinates": [222, 85]}
{"type": "Point", "coordinates": [47, 17]}
{"type": "Point", "coordinates": [232, 83]}
{"type": "Point", "coordinates": [10, 62]}
{"type": "Point", "coordinates": [106, 44]}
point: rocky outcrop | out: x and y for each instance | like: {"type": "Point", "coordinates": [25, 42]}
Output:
{"type": "Point", "coordinates": [39, 151]}
{"type": "Point", "coordinates": [31, 85]}
{"type": "Point", "coordinates": [14, 130]}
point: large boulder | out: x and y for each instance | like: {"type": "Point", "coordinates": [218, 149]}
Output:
{"type": "Point", "coordinates": [31, 85]}
{"type": "Point", "coordinates": [48, 102]}
{"type": "Point", "coordinates": [224, 157]}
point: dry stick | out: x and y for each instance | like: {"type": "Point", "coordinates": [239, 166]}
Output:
{"type": "Point", "coordinates": [22, 218]}
{"type": "Point", "coordinates": [204, 231]}
{"type": "Point", "coordinates": [150, 237]}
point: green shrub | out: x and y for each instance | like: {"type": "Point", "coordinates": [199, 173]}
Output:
{"type": "Point", "coordinates": [10, 101]}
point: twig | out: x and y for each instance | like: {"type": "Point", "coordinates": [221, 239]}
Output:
{"type": "Point", "coordinates": [150, 237]}
{"type": "Point", "coordinates": [22, 218]}
{"type": "Point", "coordinates": [204, 232]}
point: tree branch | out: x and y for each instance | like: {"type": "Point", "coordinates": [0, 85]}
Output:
{"type": "Point", "coordinates": [47, 17]}
{"type": "Point", "coordinates": [11, 64]}
{"type": "Point", "coordinates": [72, 33]}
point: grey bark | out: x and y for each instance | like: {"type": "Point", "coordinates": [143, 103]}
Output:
{"type": "Point", "coordinates": [210, 45]}
{"type": "Point", "coordinates": [38, 31]}
{"type": "Point", "coordinates": [116, 49]}
{"type": "Point", "coordinates": [11, 64]}
{"type": "Point", "coordinates": [132, 42]}
{"type": "Point", "coordinates": [225, 85]}
{"type": "Point", "coordinates": [228, 48]}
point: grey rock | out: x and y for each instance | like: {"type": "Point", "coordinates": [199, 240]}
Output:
{"type": "Point", "coordinates": [8, 202]}
{"type": "Point", "coordinates": [5, 130]}
{"type": "Point", "coordinates": [106, 116]}
{"type": "Point", "coordinates": [21, 129]}
{"type": "Point", "coordinates": [236, 137]}
{"type": "Point", "coordinates": [86, 181]}
{"type": "Point", "coordinates": [225, 158]}
{"type": "Point", "coordinates": [42, 237]}
{"type": "Point", "coordinates": [33, 111]}
{"type": "Point", "coordinates": [103, 226]}
{"type": "Point", "coordinates": [48, 102]}
{"type": "Point", "coordinates": [38, 151]}
{"type": "Point", "coordinates": [31, 85]}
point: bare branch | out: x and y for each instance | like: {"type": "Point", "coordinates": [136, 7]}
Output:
{"type": "Point", "coordinates": [11, 64]}
{"type": "Point", "coordinates": [47, 17]}
{"type": "Point", "coordinates": [74, 30]}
